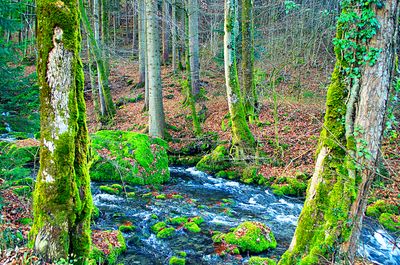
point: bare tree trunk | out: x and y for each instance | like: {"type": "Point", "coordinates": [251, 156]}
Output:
{"type": "Point", "coordinates": [193, 21]}
{"type": "Point", "coordinates": [174, 36]}
{"type": "Point", "coordinates": [142, 42]}
{"type": "Point", "coordinates": [243, 143]}
{"type": "Point", "coordinates": [156, 109]}
{"type": "Point", "coordinates": [165, 32]}
{"type": "Point", "coordinates": [135, 24]}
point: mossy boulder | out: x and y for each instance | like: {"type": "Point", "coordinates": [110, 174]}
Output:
{"type": "Point", "coordinates": [249, 236]}
{"type": "Point", "coordinates": [126, 228]}
{"type": "Point", "coordinates": [192, 227]}
{"type": "Point", "coordinates": [217, 161]}
{"type": "Point", "coordinates": [380, 206]}
{"type": "Point", "coordinates": [177, 261]}
{"type": "Point", "coordinates": [290, 186]}
{"type": "Point", "coordinates": [109, 190]}
{"type": "Point", "coordinates": [166, 232]}
{"type": "Point", "coordinates": [130, 157]}
{"type": "Point", "coordinates": [390, 221]}
{"type": "Point", "coordinates": [261, 261]}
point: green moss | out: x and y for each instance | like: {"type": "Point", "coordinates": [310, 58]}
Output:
{"type": "Point", "coordinates": [249, 236]}
{"type": "Point", "coordinates": [130, 194]}
{"type": "Point", "coordinates": [161, 196]}
{"type": "Point", "coordinates": [379, 207]}
{"type": "Point", "coordinates": [228, 174]}
{"type": "Point", "coordinates": [192, 227]}
{"type": "Point", "coordinates": [197, 220]}
{"type": "Point", "coordinates": [261, 261]}
{"type": "Point", "coordinates": [250, 175]}
{"type": "Point", "coordinates": [113, 252]}
{"type": "Point", "coordinates": [182, 254]}
{"type": "Point", "coordinates": [177, 261]}
{"type": "Point", "coordinates": [17, 163]}
{"type": "Point", "coordinates": [178, 220]}
{"type": "Point", "coordinates": [217, 161]}
{"type": "Point", "coordinates": [177, 196]}
{"type": "Point", "coordinates": [117, 186]}
{"type": "Point", "coordinates": [23, 191]}
{"type": "Point", "coordinates": [25, 221]}
{"type": "Point", "coordinates": [178, 160]}
{"type": "Point", "coordinates": [109, 190]}
{"type": "Point", "coordinates": [23, 181]}
{"type": "Point", "coordinates": [290, 186]}
{"type": "Point", "coordinates": [390, 221]}
{"type": "Point", "coordinates": [128, 156]}
{"type": "Point", "coordinates": [166, 232]}
{"type": "Point", "coordinates": [158, 226]}
{"type": "Point", "coordinates": [154, 216]}
{"type": "Point", "coordinates": [126, 228]}
{"type": "Point", "coordinates": [95, 213]}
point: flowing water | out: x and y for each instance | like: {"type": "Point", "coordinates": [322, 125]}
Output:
{"type": "Point", "coordinates": [223, 204]}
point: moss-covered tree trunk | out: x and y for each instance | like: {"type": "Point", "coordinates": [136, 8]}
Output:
{"type": "Point", "coordinates": [330, 222]}
{"type": "Point", "coordinates": [62, 197]}
{"type": "Point", "coordinates": [243, 143]}
{"type": "Point", "coordinates": [249, 85]}
{"type": "Point", "coordinates": [156, 109]}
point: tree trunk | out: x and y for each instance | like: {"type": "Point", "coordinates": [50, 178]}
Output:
{"type": "Point", "coordinates": [62, 197]}
{"type": "Point", "coordinates": [243, 143]}
{"type": "Point", "coordinates": [135, 24]}
{"type": "Point", "coordinates": [156, 109]}
{"type": "Point", "coordinates": [105, 35]}
{"type": "Point", "coordinates": [193, 21]}
{"type": "Point", "coordinates": [350, 141]}
{"type": "Point", "coordinates": [174, 36]}
{"type": "Point", "coordinates": [249, 85]}
{"type": "Point", "coordinates": [165, 31]}
{"type": "Point", "coordinates": [142, 42]}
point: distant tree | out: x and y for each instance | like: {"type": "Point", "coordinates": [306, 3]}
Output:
{"type": "Point", "coordinates": [330, 223]}
{"type": "Point", "coordinates": [165, 31]}
{"type": "Point", "coordinates": [156, 109]}
{"type": "Point", "coordinates": [62, 200]}
{"type": "Point", "coordinates": [193, 25]}
{"type": "Point", "coordinates": [249, 85]}
{"type": "Point", "coordinates": [243, 143]}
{"type": "Point", "coordinates": [174, 36]}
{"type": "Point", "coordinates": [142, 42]}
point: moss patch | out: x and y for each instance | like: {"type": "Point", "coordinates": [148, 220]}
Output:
{"type": "Point", "coordinates": [217, 161]}
{"type": "Point", "coordinates": [177, 261]}
{"type": "Point", "coordinates": [109, 248]}
{"type": "Point", "coordinates": [254, 237]}
{"type": "Point", "coordinates": [192, 227]}
{"type": "Point", "coordinates": [129, 157]}
{"type": "Point", "coordinates": [390, 221]}
{"type": "Point", "coordinates": [261, 261]}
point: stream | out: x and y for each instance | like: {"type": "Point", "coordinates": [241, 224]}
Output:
{"type": "Point", "coordinates": [222, 204]}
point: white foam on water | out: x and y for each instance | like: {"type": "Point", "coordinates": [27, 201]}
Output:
{"type": "Point", "coordinates": [291, 219]}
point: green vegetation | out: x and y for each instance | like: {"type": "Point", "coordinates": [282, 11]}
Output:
{"type": "Point", "coordinates": [129, 157]}
{"type": "Point", "coordinates": [217, 161]}
{"type": "Point", "coordinates": [254, 237]}
{"type": "Point", "coordinates": [177, 261]}
{"type": "Point", "coordinates": [126, 228]}
{"type": "Point", "coordinates": [109, 190]}
{"type": "Point", "coordinates": [192, 227]}
{"type": "Point", "coordinates": [386, 213]}
{"type": "Point", "coordinates": [113, 252]}
{"type": "Point", "coordinates": [166, 232]}
{"type": "Point", "coordinates": [261, 261]}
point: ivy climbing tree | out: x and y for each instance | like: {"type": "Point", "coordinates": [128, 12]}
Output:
{"type": "Point", "coordinates": [330, 222]}
{"type": "Point", "coordinates": [62, 198]}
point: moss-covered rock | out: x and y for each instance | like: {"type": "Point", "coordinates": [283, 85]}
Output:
{"type": "Point", "coordinates": [249, 236]}
{"type": "Point", "coordinates": [109, 190]}
{"type": "Point", "coordinates": [178, 220]}
{"type": "Point", "coordinates": [217, 161]}
{"type": "Point", "coordinates": [261, 261]}
{"type": "Point", "coordinates": [126, 228]}
{"type": "Point", "coordinates": [192, 227]}
{"type": "Point", "coordinates": [197, 220]}
{"type": "Point", "coordinates": [166, 232]}
{"type": "Point", "coordinates": [129, 157]}
{"type": "Point", "coordinates": [390, 221]}
{"type": "Point", "coordinates": [177, 261]}
{"type": "Point", "coordinates": [250, 175]}
{"type": "Point", "coordinates": [158, 226]}
{"type": "Point", "coordinates": [290, 186]}
{"type": "Point", "coordinates": [380, 206]}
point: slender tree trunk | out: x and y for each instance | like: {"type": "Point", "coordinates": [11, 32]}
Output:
{"type": "Point", "coordinates": [105, 35]}
{"type": "Point", "coordinates": [351, 137]}
{"type": "Point", "coordinates": [193, 21]}
{"type": "Point", "coordinates": [156, 109]}
{"type": "Point", "coordinates": [142, 42]}
{"type": "Point", "coordinates": [243, 143]}
{"type": "Point", "coordinates": [249, 86]}
{"type": "Point", "coordinates": [135, 24]}
{"type": "Point", "coordinates": [174, 37]}
{"type": "Point", "coordinates": [96, 15]}
{"type": "Point", "coordinates": [94, 88]}
{"type": "Point", "coordinates": [165, 31]}
{"type": "Point", "coordinates": [62, 198]}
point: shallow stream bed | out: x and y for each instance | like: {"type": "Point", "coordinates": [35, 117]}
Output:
{"type": "Point", "coordinates": [223, 204]}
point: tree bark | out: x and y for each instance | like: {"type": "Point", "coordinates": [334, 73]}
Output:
{"type": "Point", "coordinates": [165, 31]}
{"type": "Point", "coordinates": [243, 143]}
{"type": "Point", "coordinates": [249, 85]}
{"type": "Point", "coordinates": [330, 222]}
{"type": "Point", "coordinates": [156, 109]}
{"type": "Point", "coordinates": [62, 197]}
{"type": "Point", "coordinates": [142, 42]}
{"type": "Point", "coordinates": [193, 21]}
{"type": "Point", "coordinates": [174, 37]}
